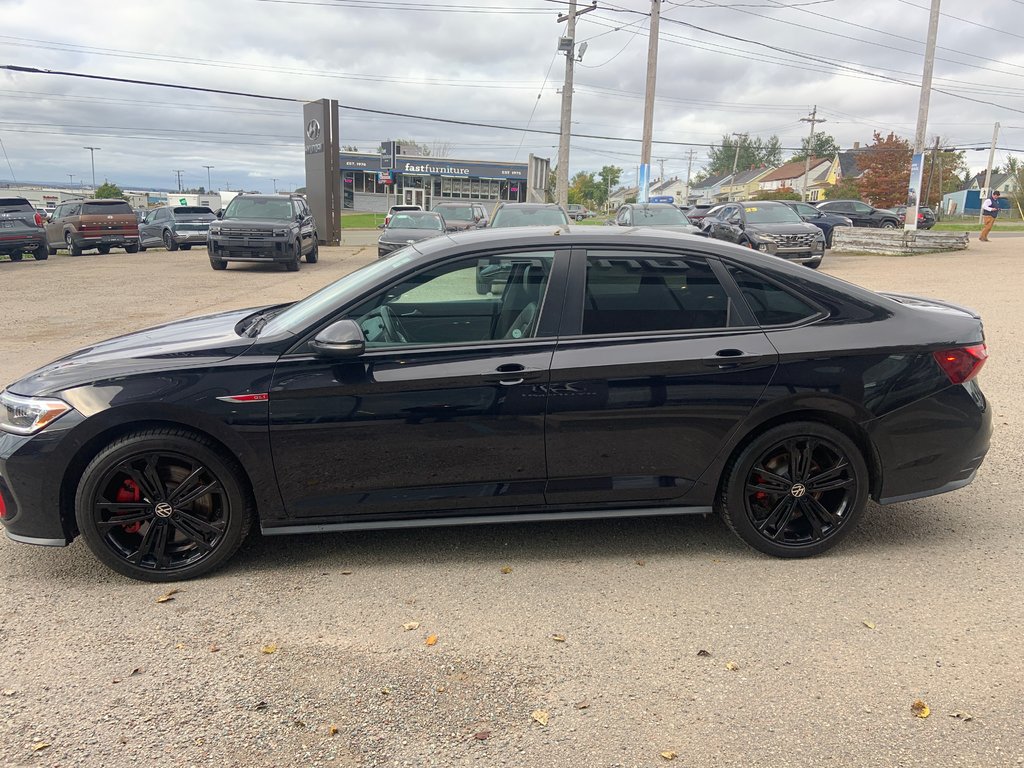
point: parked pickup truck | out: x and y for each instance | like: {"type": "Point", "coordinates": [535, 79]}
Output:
{"type": "Point", "coordinates": [21, 229]}
{"type": "Point", "coordinates": [82, 225]}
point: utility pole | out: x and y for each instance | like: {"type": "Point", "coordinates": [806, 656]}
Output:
{"type": "Point", "coordinates": [179, 178]}
{"type": "Point", "coordinates": [988, 168]}
{"type": "Point", "coordinates": [661, 164]}
{"type": "Point", "coordinates": [209, 184]}
{"type": "Point", "coordinates": [92, 158]}
{"type": "Point", "coordinates": [275, 185]}
{"type": "Point", "coordinates": [926, 79]}
{"type": "Point", "coordinates": [931, 174]}
{"type": "Point", "coordinates": [567, 45]}
{"type": "Point", "coordinates": [736, 157]}
{"type": "Point", "coordinates": [813, 119]}
{"type": "Point", "coordinates": [689, 168]}
{"type": "Point", "coordinates": [652, 76]}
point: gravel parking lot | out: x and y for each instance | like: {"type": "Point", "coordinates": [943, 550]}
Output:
{"type": "Point", "coordinates": [632, 637]}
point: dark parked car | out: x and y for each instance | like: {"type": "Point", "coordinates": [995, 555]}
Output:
{"type": "Point", "coordinates": [83, 225]}
{"type": "Point", "coordinates": [276, 229]}
{"type": "Point", "coordinates": [578, 212]}
{"type": "Point", "coordinates": [408, 227]}
{"type": "Point", "coordinates": [396, 208]}
{"type": "Point", "coordinates": [21, 230]}
{"type": "Point", "coordinates": [862, 214]}
{"type": "Point", "coordinates": [660, 215]}
{"type": "Point", "coordinates": [527, 215]}
{"type": "Point", "coordinates": [459, 216]}
{"type": "Point", "coordinates": [176, 226]}
{"type": "Point", "coordinates": [618, 371]}
{"type": "Point", "coordinates": [697, 212]}
{"type": "Point", "coordinates": [823, 220]}
{"type": "Point", "coordinates": [767, 226]}
{"type": "Point", "coordinates": [925, 216]}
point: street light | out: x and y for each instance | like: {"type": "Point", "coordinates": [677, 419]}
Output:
{"type": "Point", "coordinates": [71, 179]}
{"type": "Point", "coordinates": [209, 184]}
{"type": "Point", "coordinates": [275, 185]}
{"type": "Point", "coordinates": [92, 159]}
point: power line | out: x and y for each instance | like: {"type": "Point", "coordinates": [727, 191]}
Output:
{"type": "Point", "coordinates": [11, 167]}
{"type": "Point", "coordinates": [377, 5]}
{"type": "Point", "coordinates": [965, 21]}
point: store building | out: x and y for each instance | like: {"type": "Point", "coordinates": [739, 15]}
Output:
{"type": "Point", "coordinates": [425, 181]}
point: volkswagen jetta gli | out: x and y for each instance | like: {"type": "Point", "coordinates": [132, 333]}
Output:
{"type": "Point", "coordinates": [606, 373]}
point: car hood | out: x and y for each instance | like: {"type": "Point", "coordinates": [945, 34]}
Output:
{"type": "Point", "coordinates": [255, 223]}
{"type": "Point", "coordinates": [197, 341]}
{"type": "Point", "coordinates": [792, 228]}
{"type": "Point", "coordinates": [408, 235]}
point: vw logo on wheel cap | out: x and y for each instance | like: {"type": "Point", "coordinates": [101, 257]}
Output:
{"type": "Point", "coordinates": [163, 509]}
{"type": "Point", "coordinates": [313, 130]}
{"type": "Point", "coordinates": [798, 490]}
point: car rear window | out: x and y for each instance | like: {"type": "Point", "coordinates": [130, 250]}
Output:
{"type": "Point", "coordinates": [15, 204]}
{"type": "Point", "coordinates": [114, 206]}
{"type": "Point", "coordinates": [193, 209]}
{"type": "Point", "coordinates": [528, 217]}
{"type": "Point", "coordinates": [770, 304]}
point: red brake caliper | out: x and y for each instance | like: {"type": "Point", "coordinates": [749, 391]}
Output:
{"type": "Point", "coordinates": [759, 495]}
{"type": "Point", "coordinates": [128, 493]}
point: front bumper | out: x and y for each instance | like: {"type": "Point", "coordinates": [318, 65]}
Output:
{"type": "Point", "coordinates": [263, 249]}
{"type": "Point", "coordinates": [800, 255]}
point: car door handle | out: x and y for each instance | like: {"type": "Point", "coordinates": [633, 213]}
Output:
{"type": "Point", "coordinates": [731, 358]}
{"type": "Point", "coordinates": [510, 374]}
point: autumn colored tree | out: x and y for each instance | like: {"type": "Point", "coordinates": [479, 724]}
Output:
{"type": "Point", "coordinates": [886, 166]}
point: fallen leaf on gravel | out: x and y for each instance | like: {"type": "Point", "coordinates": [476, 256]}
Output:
{"type": "Point", "coordinates": [641, 562]}
{"type": "Point", "coordinates": [168, 596]}
{"type": "Point", "coordinates": [558, 638]}
{"type": "Point", "coordinates": [116, 680]}
{"type": "Point", "coordinates": [39, 745]}
{"type": "Point", "coordinates": [920, 709]}
{"type": "Point", "coordinates": [702, 652]}
{"type": "Point", "coordinates": [179, 646]}
{"type": "Point", "coordinates": [199, 741]}
{"type": "Point", "coordinates": [298, 723]}
{"type": "Point", "coordinates": [732, 666]}
{"type": "Point", "coordinates": [540, 716]}
{"type": "Point", "coordinates": [869, 624]}
{"type": "Point", "coordinates": [214, 647]}
{"type": "Point", "coordinates": [962, 716]}
{"type": "Point", "coordinates": [385, 692]}
{"type": "Point", "coordinates": [259, 706]}
{"type": "Point", "coordinates": [431, 640]}
{"type": "Point", "coordinates": [346, 573]}
{"type": "Point", "coordinates": [506, 569]}
{"type": "Point", "coordinates": [669, 755]}
{"type": "Point", "coordinates": [8, 691]}
{"type": "Point", "coordinates": [269, 648]}
{"type": "Point", "coordinates": [582, 705]}
{"type": "Point", "coordinates": [333, 730]}
{"type": "Point", "coordinates": [482, 735]}
{"type": "Point", "coordinates": [410, 625]}
{"type": "Point", "coordinates": [136, 671]}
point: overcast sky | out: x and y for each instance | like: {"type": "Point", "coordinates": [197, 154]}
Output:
{"type": "Point", "coordinates": [755, 66]}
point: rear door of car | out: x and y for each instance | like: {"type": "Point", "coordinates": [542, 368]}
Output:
{"type": "Point", "coordinates": [658, 361]}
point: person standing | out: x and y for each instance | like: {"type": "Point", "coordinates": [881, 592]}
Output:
{"type": "Point", "coordinates": [989, 211]}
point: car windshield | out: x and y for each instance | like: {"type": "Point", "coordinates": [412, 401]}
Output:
{"type": "Point", "coordinates": [529, 217]}
{"type": "Point", "coordinates": [457, 212]}
{"type": "Point", "coordinates": [771, 214]}
{"type": "Point", "coordinates": [300, 314]}
{"type": "Point", "coordinates": [406, 221]}
{"type": "Point", "coordinates": [257, 208]}
{"type": "Point", "coordinates": [644, 216]}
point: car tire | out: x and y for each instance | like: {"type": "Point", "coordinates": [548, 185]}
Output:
{"type": "Point", "coordinates": [169, 242]}
{"type": "Point", "coordinates": [16, 256]}
{"type": "Point", "coordinates": [314, 255]}
{"type": "Point", "coordinates": [132, 248]}
{"type": "Point", "coordinates": [186, 507]}
{"type": "Point", "coordinates": [774, 507]}
{"type": "Point", "coordinates": [103, 250]}
{"type": "Point", "coordinates": [142, 248]}
{"type": "Point", "coordinates": [51, 250]}
{"type": "Point", "coordinates": [293, 265]}
{"type": "Point", "coordinates": [218, 264]}
{"type": "Point", "coordinates": [69, 242]}
{"type": "Point", "coordinates": [42, 253]}
{"type": "Point", "coordinates": [186, 246]}
{"type": "Point", "coordinates": [813, 264]}
{"type": "Point", "coordinates": [888, 224]}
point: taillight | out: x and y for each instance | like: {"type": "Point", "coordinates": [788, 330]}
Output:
{"type": "Point", "coordinates": [963, 363]}
{"type": "Point", "coordinates": [39, 220]}
{"type": "Point", "coordinates": [3, 507]}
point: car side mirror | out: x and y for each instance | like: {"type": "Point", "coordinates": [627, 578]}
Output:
{"type": "Point", "coordinates": [380, 226]}
{"type": "Point", "coordinates": [341, 339]}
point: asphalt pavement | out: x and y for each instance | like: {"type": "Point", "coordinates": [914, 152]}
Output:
{"type": "Point", "coordinates": [601, 643]}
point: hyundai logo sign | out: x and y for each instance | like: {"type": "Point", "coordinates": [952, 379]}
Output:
{"type": "Point", "coordinates": [313, 130]}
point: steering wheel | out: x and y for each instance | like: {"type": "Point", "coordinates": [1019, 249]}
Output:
{"type": "Point", "coordinates": [392, 327]}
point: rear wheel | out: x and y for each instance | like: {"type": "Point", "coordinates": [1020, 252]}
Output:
{"type": "Point", "coordinates": [813, 264]}
{"type": "Point", "coordinates": [162, 505]}
{"type": "Point", "coordinates": [42, 253]}
{"type": "Point", "coordinates": [169, 242]}
{"type": "Point", "coordinates": [16, 256]}
{"type": "Point", "coordinates": [314, 255]}
{"type": "Point", "coordinates": [888, 225]}
{"type": "Point", "coordinates": [69, 242]}
{"type": "Point", "coordinates": [103, 249]}
{"type": "Point", "coordinates": [796, 490]}
{"type": "Point", "coordinates": [186, 247]}
{"type": "Point", "coordinates": [132, 248]}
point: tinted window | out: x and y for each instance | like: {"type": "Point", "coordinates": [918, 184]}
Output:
{"type": "Point", "coordinates": [860, 207]}
{"type": "Point", "coordinates": [807, 210]}
{"type": "Point", "coordinates": [108, 208]}
{"type": "Point", "coordinates": [644, 216]}
{"type": "Point", "coordinates": [771, 214]}
{"type": "Point", "coordinates": [456, 212]}
{"type": "Point", "coordinates": [72, 209]}
{"type": "Point", "coordinates": [192, 209]}
{"type": "Point", "coordinates": [528, 217]}
{"type": "Point", "coordinates": [635, 292]}
{"type": "Point", "coordinates": [770, 304]}
{"type": "Point", "coordinates": [15, 204]}
{"type": "Point", "coordinates": [257, 208]}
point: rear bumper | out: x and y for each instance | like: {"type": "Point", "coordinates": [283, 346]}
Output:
{"type": "Point", "coordinates": [190, 238]}
{"type": "Point", "coordinates": [92, 241]}
{"type": "Point", "coordinates": [22, 241]}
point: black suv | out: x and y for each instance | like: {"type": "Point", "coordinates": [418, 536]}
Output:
{"type": "Point", "coordinates": [21, 229]}
{"type": "Point", "coordinates": [862, 214]}
{"type": "Point", "coordinates": [264, 228]}
{"type": "Point", "coordinates": [767, 226]}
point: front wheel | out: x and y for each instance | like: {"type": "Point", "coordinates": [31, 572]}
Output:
{"type": "Point", "coordinates": [314, 255]}
{"type": "Point", "coordinates": [795, 490]}
{"type": "Point", "coordinates": [42, 253]}
{"type": "Point", "coordinates": [888, 225]}
{"type": "Point", "coordinates": [16, 256]}
{"type": "Point", "coordinates": [103, 250]}
{"type": "Point", "coordinates": [69, 243]}
{"type": "Point", "coordinates": [162, 505]}
{"type": "Point", "coordinates": [169, 242]}
{"type": "Point", "coordinates": [293, 265]}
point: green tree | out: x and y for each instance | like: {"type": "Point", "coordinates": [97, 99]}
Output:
{"type": "Point", "coordinates": [1015, 168]}
{"type": "Point", "coordinates": [609, 177]}
{"type": "Point", "coordinates": [846, 189]}
{"type": "Point", "coordinates": [743, 152]}
{"type": "Point", "coordinates": [822, 146]}
{"type": "Point", "coordinates": [585, 189]}
{"type": "Point", "coordinates": [886, 166]}
{"type": "Point", "coordinates": [110, 191]}
{"type": "Point", "coordinates": [782, 193]}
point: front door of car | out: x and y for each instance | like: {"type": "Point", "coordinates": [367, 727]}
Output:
{"type": "Point", "coordinates": [149, 233]}
{"type": "Point", "coordinates": [443, 412]}
{"type": "Point", "coordinates": [307, 226]}
{"type": "Point", "coordinates": [658, 362]}
{"type": "Point", "coordinates": [860, 213]}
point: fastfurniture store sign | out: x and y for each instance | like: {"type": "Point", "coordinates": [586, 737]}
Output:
{"type": "Point", "coordinates": [437, 167]}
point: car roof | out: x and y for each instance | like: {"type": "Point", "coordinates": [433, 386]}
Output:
{"type": "Point", "coordinates": [507, 204]}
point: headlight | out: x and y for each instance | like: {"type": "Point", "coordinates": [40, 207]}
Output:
{"type": "Point", "coordinates": [214, 230]}
{"type": "Point", "coordinates": [28, 415]}
{"type": "Point", "coordinates": [280, 232]}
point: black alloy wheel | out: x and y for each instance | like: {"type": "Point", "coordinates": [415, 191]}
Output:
{"type": "Point", "coordinates": [795, 490]}
{"type": "Point", "coordinates": [314, 255]}
{"type": "Point", "coordinates": [162, 505]}
{"type": "Point", "coordinates": [69, 242]}
{"type": "Point", "coordinates": [42, 253]}
{"type": "Point", "coordinates": [169, 242]}
{"type": "Point", "coordinates": [103, 249]}
{"type": "Point", "coordinates": [16, 256]}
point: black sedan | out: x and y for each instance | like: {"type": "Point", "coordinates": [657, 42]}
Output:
{"type": "Point", "coordinates": [767, 226]}
{"type": "Point", "coordinates": [660, 215]}
{"type": "Point", "coordinates": [615, 372]}
{"type": "Point", "coordinates": [405, 227]}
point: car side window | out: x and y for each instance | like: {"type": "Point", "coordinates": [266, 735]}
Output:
{"type": "Point", "coordinates": [732, 214]}
{"type": "Point", "coordinates": [444, 304]}
{"type": "Point", "coordinates": [807, 210]}
{"type": "Point", "coordinates": [860, 208]}
{"type": "Point", "coordinates": [635, 292]}
{"type": "Point", "coordinates": [770, 304]}
{"type": "Point", "coordinates": [73, 209]}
